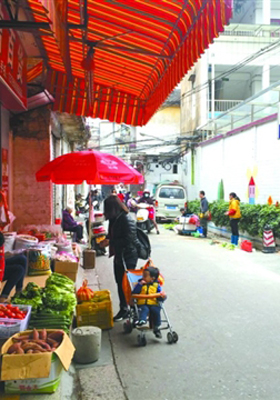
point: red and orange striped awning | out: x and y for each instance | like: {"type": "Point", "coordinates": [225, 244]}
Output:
{"type": "Point", "coordinates": [142, 49]}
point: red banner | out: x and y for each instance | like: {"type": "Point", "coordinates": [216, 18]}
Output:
{"type": "Point", "coordinates": [13, 87]}
{"type": "Point", "coordinates": [5, 172]}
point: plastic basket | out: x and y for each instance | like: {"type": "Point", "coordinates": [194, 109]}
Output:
{"type": "Point", "coordinates": [10, 326]}
{"type": "Point", "coordinates": [98, 312]}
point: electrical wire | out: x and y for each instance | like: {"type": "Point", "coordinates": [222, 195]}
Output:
{"type": "Point", "coordinates": [175, 136]}
{"type": "Point", "coordinates": [235, 68]}
{"type": "Point", "coordinates": [240, 83]}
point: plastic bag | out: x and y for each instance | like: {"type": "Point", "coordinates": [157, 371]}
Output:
{"type": "Point", "coordinates": [4, 213]}
{"type": "Point", "coordinates": [64, 256]}
{"type": "Point", "coordinates": [39, 262]}
{"type": "Point", "coordinates": [25, 242]}
{"type": "Point", "coordinates": [246, 245]}
{"type": "Point", "coordinates": [10, 238]}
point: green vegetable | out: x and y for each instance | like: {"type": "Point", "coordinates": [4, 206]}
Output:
{"type": "Point", "coordinates": [59, 299]}
{"type": "Point", "coordinates": [52, 306]}
{"type": "Point", "coordinates": [36, 302]}
{"type": "Point", "coordinates": [60, 281]}
{"type": "Point", "coordinates": [31, 295]}
{"type": "Point", "coordinates": [32, 290]}
{"type": "Point", "coordinates": [170, 226]}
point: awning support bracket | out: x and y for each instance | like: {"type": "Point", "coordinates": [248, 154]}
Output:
{"type": "Point", "coordinates": [23, 25]}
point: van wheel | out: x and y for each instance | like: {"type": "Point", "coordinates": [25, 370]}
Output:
{"type": "Point", "coordinates": [158, 219]}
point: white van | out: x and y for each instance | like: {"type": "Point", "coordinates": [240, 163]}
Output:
{"type": "Point", "coordinates": [170, 198]}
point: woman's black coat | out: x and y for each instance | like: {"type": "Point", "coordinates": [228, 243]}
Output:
{"type": "Point", "coordinates": [123, 238]}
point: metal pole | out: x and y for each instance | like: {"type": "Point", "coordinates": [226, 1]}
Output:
{"type": "Point", "coordinates": [114, 139]}
{"type": "Point", "coordinates": [213, 90]}
{"type": "Point", "coordinates": [89, 219]}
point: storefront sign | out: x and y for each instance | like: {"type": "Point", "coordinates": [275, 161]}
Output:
{"type": "Point", "coordinates": [5, 172]}
{"type": "Point", "coordinates": [13, 87]}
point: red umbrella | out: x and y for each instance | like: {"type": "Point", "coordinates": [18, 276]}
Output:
{"type": "Point", "coordinates": [90, 166]}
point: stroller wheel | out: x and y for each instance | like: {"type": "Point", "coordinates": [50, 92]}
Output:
{"type": "Point", "coordinates": [175, 337]}
{"type": "Point", "coordinates": [127, 327]}
{"type": "Point", "coordinates": [141, 340]}
{"type": "Point", "coordinates": [170, 338]}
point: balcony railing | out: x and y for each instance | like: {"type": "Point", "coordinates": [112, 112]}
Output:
{"type": "Point", "coordinates": [223, 105]}
{"type": "Point", "coordinates": [263, 31]}
{"type": "Point", "coordinates": [258, 107]}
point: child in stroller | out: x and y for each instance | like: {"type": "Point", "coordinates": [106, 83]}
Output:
{"type": "Point", "coordinates": [150, 306]}
{"type": "Point", "coordinates": [140, 286]}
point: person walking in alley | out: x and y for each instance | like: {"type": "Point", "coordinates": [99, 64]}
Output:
{"type": "Point", "coordinates": [123, 244]}
{"type": "Point", "coordinates": [204, 212]}
{"type": "Point", "coordinates": [147, 199]}
{"type": "Point", "coordinates": [70, 225]}
{"type": "Point", "coordinates": [234, 215]}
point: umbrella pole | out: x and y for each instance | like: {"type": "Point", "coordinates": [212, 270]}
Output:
{"type": "Point", "coordinates": [89, 219]}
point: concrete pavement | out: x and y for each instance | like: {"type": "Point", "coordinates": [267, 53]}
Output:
{"type": "Point", "coordinates": [225, 307]}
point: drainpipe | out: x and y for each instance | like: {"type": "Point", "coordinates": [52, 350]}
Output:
{"type": "Point", "coordinates": [213, 88]}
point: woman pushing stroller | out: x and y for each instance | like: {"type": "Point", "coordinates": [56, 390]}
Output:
{"type": "Point", "coordinates": [149, 285]}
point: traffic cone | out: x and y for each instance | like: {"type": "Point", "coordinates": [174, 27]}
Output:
{"type": "Point", "coordinates": [268, 241]}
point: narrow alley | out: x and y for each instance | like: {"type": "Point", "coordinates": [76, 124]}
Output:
{"type": "Point", "coordinates": [223, 304]}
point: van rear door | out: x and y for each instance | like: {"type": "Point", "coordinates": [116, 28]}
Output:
{"type": "Point", "coordinates": [171, 199]}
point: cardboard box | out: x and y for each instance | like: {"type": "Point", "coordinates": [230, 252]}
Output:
{"type": "Point", "coordinates": [67, 268]}
{"type": "Point", "coordinates": [35, 373]}
{"type": "Point", "coordinates": [39, 385]}
{"type": "Point", "coordinates": [89, 257]}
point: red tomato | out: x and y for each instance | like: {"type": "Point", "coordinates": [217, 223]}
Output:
{"type": "Point", "coordinates": [19, 316]}
{"type": "Point", "coordinates": [13, 315]}
{"type": "Point", "coordinates": [9, 306]}
{"type": "Point", "coordinates": [2, 315]}
{"type": "Point", "coordinates": [9, 314]}
{"type": "Point", "coordinates": [16, 309]}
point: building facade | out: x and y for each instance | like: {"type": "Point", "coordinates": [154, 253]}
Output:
{"type": "Point", "coordinates": [231, 99]}
{"type": "Point", "coordinates": [243, 61]}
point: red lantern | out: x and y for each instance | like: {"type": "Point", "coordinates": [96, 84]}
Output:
{"type": "Point", "coordinates": [88, 63]}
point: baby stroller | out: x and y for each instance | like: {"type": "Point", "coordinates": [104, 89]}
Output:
{"type": "Point", "coordinates": [130, 279]}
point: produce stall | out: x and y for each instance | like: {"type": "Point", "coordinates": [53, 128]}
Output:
{"type": "Point", "coordinates": [52, 306]}
{"type": "Point", "coordinates": [39, 319]}
{"type": "Point", "coordinates": [34, 327]}
{"type": "Point", "coordinates": [32, 361]}
{"type": "Point", "coordinates": [44, 248]}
